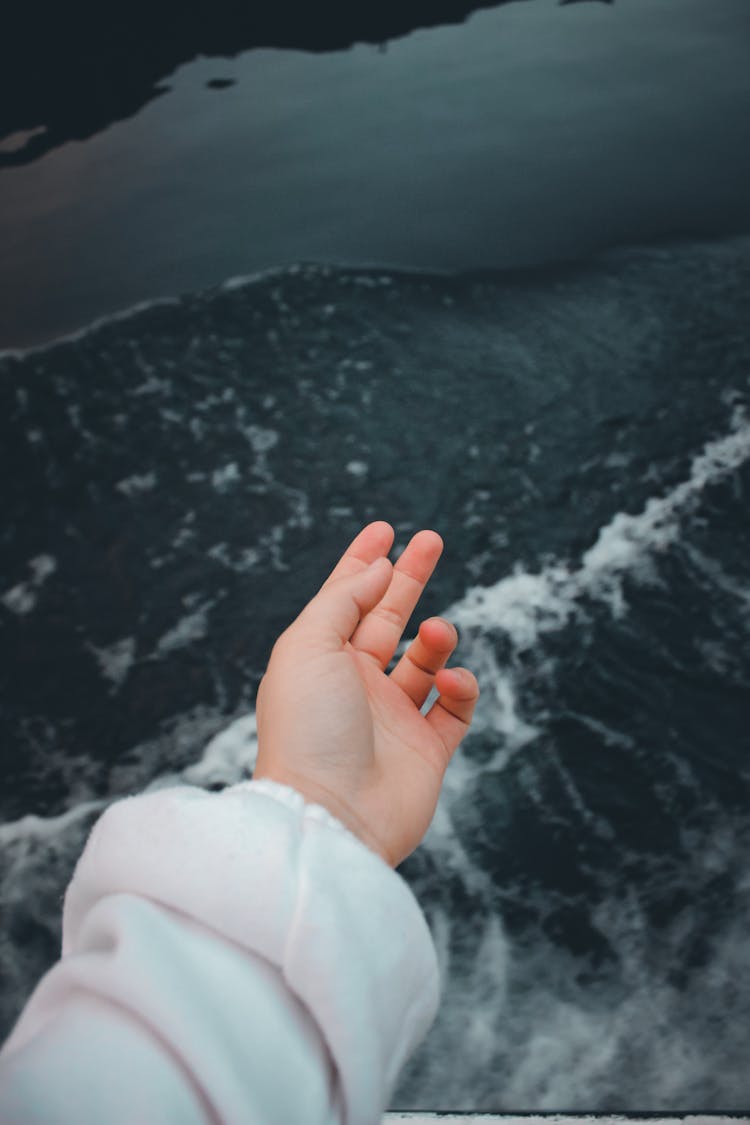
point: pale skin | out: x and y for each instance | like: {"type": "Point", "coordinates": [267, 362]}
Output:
{"type": "Point", "coordinates": [340, 729]}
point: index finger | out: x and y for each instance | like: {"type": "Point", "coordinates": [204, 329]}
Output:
{"type": "Point", "coordinates": [372, 542]}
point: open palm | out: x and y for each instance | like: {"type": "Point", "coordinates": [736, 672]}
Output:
{"type": "Point", "coordinates": [341, 730]}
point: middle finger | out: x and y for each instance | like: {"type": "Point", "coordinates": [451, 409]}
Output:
{"type": "Point", "coordinates": [378, 634]}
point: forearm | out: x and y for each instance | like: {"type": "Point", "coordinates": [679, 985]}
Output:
{"type": "Point", "coordinates": [156, 1018]}
{"type": "Point", "coordinates": [242, 951]}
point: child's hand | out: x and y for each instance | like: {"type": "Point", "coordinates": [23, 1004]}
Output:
{"type": "Point", "coordinates": [340, 731]}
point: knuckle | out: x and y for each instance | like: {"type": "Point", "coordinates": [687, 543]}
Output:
{"type": "Point", "coordinates": [420, 665]}
{"type": "Point", "coordinates": [455, 714]}
{"type": "Point", "coordinates": [390, 615]}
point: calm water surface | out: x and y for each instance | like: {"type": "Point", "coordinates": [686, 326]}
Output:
{"type": "Point", "coordinates": [530, 133]}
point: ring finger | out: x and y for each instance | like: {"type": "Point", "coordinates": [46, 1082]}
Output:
{"type": "Point", "coordinates": [425, 656]}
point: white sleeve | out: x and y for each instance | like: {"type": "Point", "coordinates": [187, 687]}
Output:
{"type": "Point", "coordinates": [229, 957]}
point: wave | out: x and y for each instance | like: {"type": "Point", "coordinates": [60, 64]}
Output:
{"type": "Point", "coordinates": [667, 254]}
{"type": "Point", "coordinates": [526, 605]}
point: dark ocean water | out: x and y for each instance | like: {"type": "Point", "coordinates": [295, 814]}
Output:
{"type": "Point", "coordinates": [177, 482]}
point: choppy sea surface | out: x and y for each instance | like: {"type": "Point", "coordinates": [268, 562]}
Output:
{"type": "Point", "coordinates": [178, 480]}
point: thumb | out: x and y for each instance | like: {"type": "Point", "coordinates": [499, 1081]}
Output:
{"type": "Point", "coordinates": [336, 610]}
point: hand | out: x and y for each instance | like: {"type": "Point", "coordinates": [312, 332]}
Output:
{"type": "Point", "coordinates": [334, 726]}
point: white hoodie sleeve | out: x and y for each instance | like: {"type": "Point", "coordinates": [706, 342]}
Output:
{"type": "Point", "coordinates": [232, 957]}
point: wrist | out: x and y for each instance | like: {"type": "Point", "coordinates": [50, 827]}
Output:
{"type": "Point", "coordinates": [314, 793]}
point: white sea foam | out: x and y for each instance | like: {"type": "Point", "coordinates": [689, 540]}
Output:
{"type": "Point", "coordinates": [191, 627]}
{"type": "Point", "coordinates": [230, 755]}
{"type": "Point", "coordinates": [243, 560]}
{"type": "Point", "coordinates": [242, 281]}
{"type": "Point", "coordinates": [29, 830]}
{"type": "Point", "coordinates": [152, 386]}
{"type": "Point", "coordinates": [525, 606]}
{"type": "Point", "coordinates": [521, 1027]}
{"type": "Point", "coordinates": [227, 758]}
{"type": "Point", "coordinates": [224, 477]}
{"type": "Point", "coordinates": [81, 333]}
{"type": "Point", "coordinates": [136, 484]}
{"type": "Point", "coordinates": [22, 597]}
{"type": "Point", "coordinates": [115, 660]}
{"type": "Point", "coordinates": [260, 437]}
